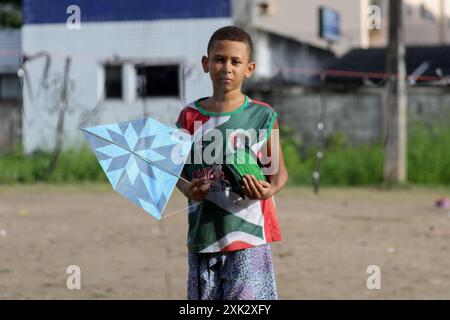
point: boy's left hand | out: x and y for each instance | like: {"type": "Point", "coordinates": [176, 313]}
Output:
{"type": "Point", "coordinates": [256, 189]}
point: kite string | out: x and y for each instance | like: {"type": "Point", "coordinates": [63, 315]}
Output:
{"type": "Point", "coordinates": [175, 212]}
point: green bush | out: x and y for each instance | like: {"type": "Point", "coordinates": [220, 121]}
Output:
{"type": "Point", "coordinates": [428, 159]}
{"type": "Point", "coordinates": [73, 166]}
{"type": "Point", "coordinates": [298, 169]}
{"type": "Point", "coordinates": [429, 155]}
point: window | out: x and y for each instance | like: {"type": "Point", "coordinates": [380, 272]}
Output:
{"type": "Point", "coordinates": [113, 81]}
{"type": "Point", "coordinates": [426, 13]}
{"type": "Point", "coordinates": [158, 81]}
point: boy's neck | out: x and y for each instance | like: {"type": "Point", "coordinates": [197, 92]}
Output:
{"type": "Point", "coordinates": [225, 102]}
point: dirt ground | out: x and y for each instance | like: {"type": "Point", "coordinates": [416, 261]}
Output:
{"type": "Point", "coordinates": [329, 241]}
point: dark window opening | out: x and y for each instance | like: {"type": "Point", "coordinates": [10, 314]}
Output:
{"type": "Point", "coordinates": [158, 81]}
{"type": "Point", "coordinates": [10, 87]}
{"type": "Point", "coordinates": [113, 81]}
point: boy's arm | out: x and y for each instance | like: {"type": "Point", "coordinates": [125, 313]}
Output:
{"type": "Point", "coordinates": [182, 185]}
{"type": "Point", "coordinates": [258, 189]}
{"type": "Point", "coordinates": [280, 178]}
{"type": "Point", "coordinates": [195, 190]}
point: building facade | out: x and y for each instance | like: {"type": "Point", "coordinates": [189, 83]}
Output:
{"type": "Point", "coordinates": [10, 92]}
{"type": "Point", "coordinates": [126, 60]}
{"type": "Point", "coordinates": [426, 22]}
{"type": "Point", "coordinates": [102, 61]}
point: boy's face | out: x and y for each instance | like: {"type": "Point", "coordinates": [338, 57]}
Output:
{"type": "Point", "coordinates": [228, 64]}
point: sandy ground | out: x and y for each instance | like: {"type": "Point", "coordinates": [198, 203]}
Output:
{"type": "Point", "coordinates": [329, 241]}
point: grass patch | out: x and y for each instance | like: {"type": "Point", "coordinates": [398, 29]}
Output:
{"type": "Point", "coordinates": [342, 165]}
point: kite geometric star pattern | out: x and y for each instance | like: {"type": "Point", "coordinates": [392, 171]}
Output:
{"type": "Point", "coordinates": [142, 159]}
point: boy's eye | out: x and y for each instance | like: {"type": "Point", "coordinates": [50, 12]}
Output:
{"type": "Point", "coordinates": [221, 60]}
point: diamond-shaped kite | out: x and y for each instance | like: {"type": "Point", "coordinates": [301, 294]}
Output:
{"type": "Point", "coordinates": [142, 159]}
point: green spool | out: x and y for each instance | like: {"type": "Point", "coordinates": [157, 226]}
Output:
{"type": "Point", "coordinates": [244, 163]}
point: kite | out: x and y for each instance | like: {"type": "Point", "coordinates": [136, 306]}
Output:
{"type": "Point", "coordinates": [142, 159]}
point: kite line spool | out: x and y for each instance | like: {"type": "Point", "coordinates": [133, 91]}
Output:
{"type": "Point", "coordinates": [244, 161]}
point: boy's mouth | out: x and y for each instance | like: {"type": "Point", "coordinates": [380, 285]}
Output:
{"type": "Point", "coordinates": [226, 80]}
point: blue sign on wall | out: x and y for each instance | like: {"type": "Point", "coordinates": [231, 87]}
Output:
{"type": "Point", "coordinates": [55, 11]}
{"type": "Point", "coordinates": [329, 24]}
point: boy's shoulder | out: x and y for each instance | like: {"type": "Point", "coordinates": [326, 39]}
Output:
{"type": "Point", "coordinates": [260, 109]}
{"type": "Point", "coordinates": [260, 103]}
{"type": "Point", "coordinates": [188, 114]}
{"type": "Point", "coordinates": [190, 107]}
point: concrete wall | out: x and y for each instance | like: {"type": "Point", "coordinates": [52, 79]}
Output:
{"type": "Point", "coordinates": [10, 125]}
{"type": "Point", "coordinates": [357, 115]}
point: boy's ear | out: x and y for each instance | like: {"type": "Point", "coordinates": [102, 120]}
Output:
{"type": "Point", "coordinates": [250, 69]}
{"type": "Point", "coordinates": [205, 64]}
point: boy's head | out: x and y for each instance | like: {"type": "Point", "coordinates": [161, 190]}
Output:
{"type": "Point", "coordinates": [229, 60]}
{"type": "Point", "coordinates": [233, 34]}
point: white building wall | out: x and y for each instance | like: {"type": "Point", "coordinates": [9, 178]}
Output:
{"type": "Point", "coordinates": [182, 41]}
{"type": "Point", "coordinates": [299, 20]}
{"type": "Point", "coordinates": [433, 29]}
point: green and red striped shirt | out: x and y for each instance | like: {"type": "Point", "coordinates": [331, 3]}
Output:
{"type": "Point", "coordinates": [220, 222]}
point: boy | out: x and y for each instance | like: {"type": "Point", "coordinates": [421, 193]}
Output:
{"type": "Point", "coordinates": [228, 237]}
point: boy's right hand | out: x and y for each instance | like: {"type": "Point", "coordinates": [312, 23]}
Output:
{"type": "Point", "coordinates": [197, 189]}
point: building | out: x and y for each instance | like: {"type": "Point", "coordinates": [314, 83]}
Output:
{"type": "Point", "coordinates": [128, 59]}
{"type": "Point", "coordinates": [300, 21]}
{"type": "Point", "coordinates": [361, 23]}
{"type": "Point", "coordinates": [10, 92]}
{"type": "Point", "coordinates": [99, 62]}
{"type": "Point", "coordinates": [353, 96]}
{"type": "Point", "coordinates": [427, 22]}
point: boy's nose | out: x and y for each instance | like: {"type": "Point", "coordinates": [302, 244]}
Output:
{"type": "Point", "coordinates": [227, 67]}
{"type": "Point", "coordinates": [226, 70]}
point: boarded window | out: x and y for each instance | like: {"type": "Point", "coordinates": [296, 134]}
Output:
{"type": "Point", "coordinates": [158, 81]}
{"type": "Point", "coordinates": [113, 81]}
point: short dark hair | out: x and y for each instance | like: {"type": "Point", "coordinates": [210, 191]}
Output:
{"type": "Point", "coordinates": [234, 34]}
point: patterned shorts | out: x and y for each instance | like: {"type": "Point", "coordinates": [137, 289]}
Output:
{"type": "Point", "coordinates": [246, 274]}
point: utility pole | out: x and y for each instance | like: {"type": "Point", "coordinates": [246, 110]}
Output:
{"type": "Point", "coordinates": [396, 139]}
{"type": "Point", "coordinates": [442, 22]}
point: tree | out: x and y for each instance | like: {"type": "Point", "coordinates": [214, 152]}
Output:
{"type": "Point", "coordinates": [10, 14]}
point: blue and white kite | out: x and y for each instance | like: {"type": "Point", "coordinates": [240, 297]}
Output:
{"type": "Point", "coordinates": [142, 159]}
